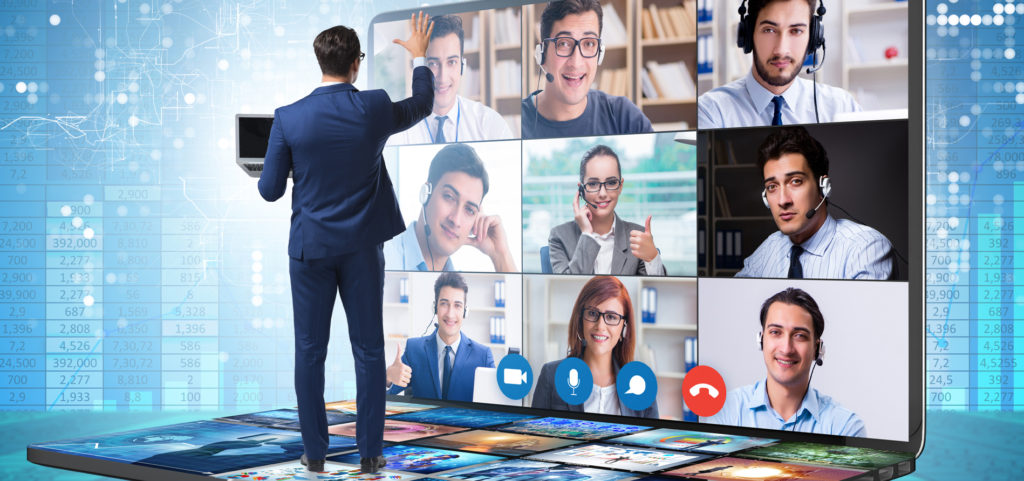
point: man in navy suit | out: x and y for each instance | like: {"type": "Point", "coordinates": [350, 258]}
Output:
{"type": "Point", "coordinates": [343, 209]}
{"type": "Point", "coordinates": [444, 362]}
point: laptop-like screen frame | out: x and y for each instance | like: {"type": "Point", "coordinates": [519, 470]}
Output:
{"type": "Point", "coordinates": [916, 255]}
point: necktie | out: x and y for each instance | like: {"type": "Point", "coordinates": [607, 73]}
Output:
{"type": "Point", "coordinates": [796, 270]}
{"type": "Point", "coordinates": [439, 138]}
{"type": "Point", "coordinates": [777, 116]}
{"type": "Point", "coordinates": [447, 376]}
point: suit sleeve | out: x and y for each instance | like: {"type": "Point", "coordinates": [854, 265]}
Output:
{"type": "Point", "coordinates": [542, 393]}
{"type": "Point", "coordinates": [489, 361]}
{"type": "Point", "coordinates": [584, 252]}
{"type": "Point", "coordinates": [414, 109]}
{"type": "Point", "coordinates": [276, 164]}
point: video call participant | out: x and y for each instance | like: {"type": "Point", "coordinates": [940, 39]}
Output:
{"type": "Point", "coordinates": [441, 365]}
{"type": "Point", "coordinates": [810, 243]}
{"type": "Point", "coordinates": [790, 341]}
{"type": "Point", "coordinates": [344, 208]}
{"type": "Point", "coordinates": [451, 217]}
{"type": "Point", "coordinates": [597, 241]}
{"type": "Point", "coordinates": [781, 34]}
{"type": "Point", "coordinates": [601, 333]}
{"type": "Point", "coordinates": [568, 54]}
{"type": "Point", "coordinates": [454, 117]}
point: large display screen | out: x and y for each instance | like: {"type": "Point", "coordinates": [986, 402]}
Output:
{"type": "Point", "coordinates": [599, 203]}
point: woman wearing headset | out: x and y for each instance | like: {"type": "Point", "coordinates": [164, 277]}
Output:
{"type": "Point", "coordinates": [597, 240]}
{"type": "Point", "coordinates": [601, 333]}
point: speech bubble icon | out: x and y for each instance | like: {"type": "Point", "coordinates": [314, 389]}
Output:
{"type": "Point", "coordinates": [637, 385]}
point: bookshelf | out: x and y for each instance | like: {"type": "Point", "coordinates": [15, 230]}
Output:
{"type": "Point", "coordinates": [504, 56]}
{"type": "Point", "coordinates": [666, 59]}
{"type": "Point", "coordinates": [869, 29]}
{"type": "Point", "coordinates": [658, 344]}
{"type": "Point", "coordinates": [733, 201]}
{"type": "Point", "coordinates": [403, 320]}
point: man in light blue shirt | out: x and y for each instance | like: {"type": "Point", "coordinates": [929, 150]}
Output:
{"type": "Point", "coordinates": [791, 328]}
{"type": "Point", "coordinates": [451, 217]}
{"type": "Point", "coordinates": [779, 33]}
{"type": "Point", "coordinates": [810, 243]}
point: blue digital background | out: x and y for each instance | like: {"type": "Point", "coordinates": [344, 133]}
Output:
{"type": "Point", "coordinates": [162, 275]}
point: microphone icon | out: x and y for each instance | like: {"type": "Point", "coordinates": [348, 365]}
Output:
{"type": "Point", "coordinates": [574, 380]}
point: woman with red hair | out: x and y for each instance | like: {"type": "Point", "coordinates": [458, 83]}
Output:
{"type": "Point", "coordinates": [602, 334]}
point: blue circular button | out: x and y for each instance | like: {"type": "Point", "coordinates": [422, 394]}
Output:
{"type": "Point", "coordinates": [515, 378]}
{"type": "Point", "coordinates": [573, 381]}
{"type": "Point", "coordinates": [636, 385]}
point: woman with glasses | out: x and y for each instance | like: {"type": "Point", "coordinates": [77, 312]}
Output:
{"type": "Point", "coordinates": [601, 333]}
{"type": "Point", "coordinates": [597, 241]}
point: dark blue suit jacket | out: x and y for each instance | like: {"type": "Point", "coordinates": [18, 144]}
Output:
{"type": "Point", "coordinates": [342, 197]}
{"type": "Point", "coordinates": [422, 356]}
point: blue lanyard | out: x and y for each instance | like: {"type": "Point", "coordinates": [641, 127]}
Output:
{"type": "Point", "coordinates": [458, 119]}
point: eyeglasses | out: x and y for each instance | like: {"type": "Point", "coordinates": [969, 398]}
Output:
{"type": "Point", "coordinates": [362, 55]}
{"type": "Point", "coordinates": [611, 318]}
{"type": "Point", "coordinates": [610, 184]}
{"type": "Point", "coordinates": [564, 46]}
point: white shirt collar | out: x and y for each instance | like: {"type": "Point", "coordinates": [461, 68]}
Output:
{"type": "Point", "coordinates": [441, 344]}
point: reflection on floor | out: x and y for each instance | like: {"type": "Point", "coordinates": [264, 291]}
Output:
{"type": "Point", "coordinates": [456, 443]}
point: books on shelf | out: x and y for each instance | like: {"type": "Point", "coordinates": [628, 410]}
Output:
{"type": "Point", "coordinates": [614, 32]}
{"type": "Point", "coordinates": [705, 10]}
{"type": "Point", "coordinates": [614, 81]}
{"type": "Point", "coordinates": [471, 38]}
{"type": "Point", "coordinates": [507, 29]}
{"type": "Point", "coordinates": [507, 79]}
{"type": "Point", "coordinates": [705, 53]}
{"type": "Point", "coordinates": [728, 249]}
{"type": "Point", "coordinates": [667, 23]}
{"type": "Point", "coordinates": [723, 201]}
{"type": "Point", "coordinates": [669, 80]}
{"type": "Point", "coordinates": [649, 305]}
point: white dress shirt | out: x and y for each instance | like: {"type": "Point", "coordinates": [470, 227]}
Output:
{"type": "Point", "coordinates": [467, 120]}
{"type": "Point", "coordinates": [603, 261]}
{"type": "Point", "coordinates": [603, 400]}
{"type": "Point", "coordinates": [440, 354]}
{"type": "Point", "coordinates": [746, 103]}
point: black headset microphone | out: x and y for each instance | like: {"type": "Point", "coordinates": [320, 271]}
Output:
{"type": "Point", "coordinates": [583, 197]}
{"type": "Point", "coordinates": [811, 212]}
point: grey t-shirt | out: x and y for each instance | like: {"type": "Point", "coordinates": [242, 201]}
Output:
{"type": "Point", "coordinates": [605, 115]}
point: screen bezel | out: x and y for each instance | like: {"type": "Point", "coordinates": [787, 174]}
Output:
{"type": "Point", "coordinates": [916, 254]}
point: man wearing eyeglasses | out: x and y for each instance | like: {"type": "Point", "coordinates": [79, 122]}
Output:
{"type": "Point", "coordinates": [568, 54]}
{"type": "Point", "coordinates": [454, 118]}
{"type": "Point", "coordinates": [597, 241]}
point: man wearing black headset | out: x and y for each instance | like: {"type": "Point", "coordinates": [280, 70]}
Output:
{"type": "Point", "coordinates": [444, 362]}
{"type": "Point", "coordinates": [781, 34]}
{"type": "Point", "coordinates": [810, 243]}
{"type": "Point", "coordinates": [569, 52]}
{"type": "Point", "coordinates": [790, 341]}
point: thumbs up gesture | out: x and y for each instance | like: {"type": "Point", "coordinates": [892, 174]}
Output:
{"type": "Point", "coordinates": [398, 373]}
{"type": "Point", "coordinates": [641, 243]}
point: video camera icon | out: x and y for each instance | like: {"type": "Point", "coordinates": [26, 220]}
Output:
{"type": "Point", "coordinates": [515, 377]}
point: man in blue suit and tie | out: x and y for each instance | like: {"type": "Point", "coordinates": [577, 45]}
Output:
{"type": "Point", "coordinates": [343, 209]}
{"type": "Point", "coordinates": [444, 362]}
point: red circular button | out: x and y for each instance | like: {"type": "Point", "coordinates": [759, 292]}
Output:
{"type": "Point", "coordinates": [704, 391]}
